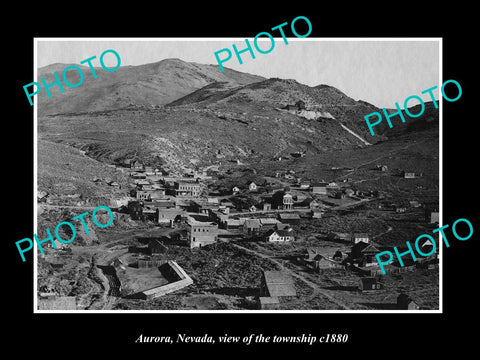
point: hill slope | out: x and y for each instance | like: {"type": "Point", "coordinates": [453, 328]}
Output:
{"type": "Point", "coordinates": [219, 117]}
{"type": "Point", "coordinates": [322, 101]}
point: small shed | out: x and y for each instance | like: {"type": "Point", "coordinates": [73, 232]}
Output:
{"type": "Point", "coordinates": [408, 175]}
{"type": "Point", "coordinates": [317, 213]}
{"type": "Point", "coordinates": [434, 217]}
{"type": "Point", "coordinates": [252, 226]}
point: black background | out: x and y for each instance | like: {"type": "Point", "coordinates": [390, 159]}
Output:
{"type": "Point", "coordinates": [369, 334]}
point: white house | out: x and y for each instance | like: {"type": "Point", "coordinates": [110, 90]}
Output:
{"type": "Point", "coordinates": [280, 236]}
{"type": "Point", "coordinates": [357, 237]}
{"type": "Point", "coordinates": [252, 186]}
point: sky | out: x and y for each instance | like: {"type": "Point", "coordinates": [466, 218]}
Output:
{"type": "Point", "coordinates": [379, 71]}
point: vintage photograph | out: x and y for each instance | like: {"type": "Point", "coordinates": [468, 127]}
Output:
{"type": "Point", "coordinates": [168, 184]}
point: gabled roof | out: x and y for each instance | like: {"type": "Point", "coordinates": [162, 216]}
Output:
{"type": "Point", "coordinates": [235, 222]}
{"type": "Point", "coordinates": [360, 235]}
{"type": "Point", "coordinates": [279, 283]}
{"type": "Point", "coordinates": [359, 247]}
{"type": "Point", "coordinates": [369, 249]}
{"type": "Point", "coordinates": [282, 226]}
{"type": "Point", "coordinates": [284, 233]}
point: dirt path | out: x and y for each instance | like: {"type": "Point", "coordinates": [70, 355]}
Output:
{"type": "Point", "coordinates": [316, 288]}
{"type": "Point", "coordinates": [48, 206]}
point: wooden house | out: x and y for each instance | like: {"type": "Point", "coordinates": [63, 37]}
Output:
{"type": "Point", "coordinates": [234, 224]}
{"type": "Point", "coordinates": [135, 210]}
{"type": "Point", "coordinates": [317, 213]}
{"type": "Point", "coordinates": [279, 236]}
{"type": "Point", "coordinates": [268, 223]}
{"type": "Point", "coordinates": [333, 186]}
{"type": "Point", "coordinates": [304, 185]}
{"type": "Point", "coordinates": [381, 167]}
{"type": "Point", "coordinates": [415, 204]}
{"type": "Point", "coordinates": [364, 254]}
{"type": "Point", "coordinates": [136, 165]}
{"type": "Point", "coordinates": [252, 226]}
{"type": "Point", "coordinates": [408, 174]}
{"type": "Point", "coordinates": [405, 302]}
{"type": "Point", "coordinates": [400, 209]}
{"type": "Point", "coordinates": [267, 206]}
{"type": "Point", "coordinates": [143, 195]}
{"type": "Point", "coordinates": [357, 237]}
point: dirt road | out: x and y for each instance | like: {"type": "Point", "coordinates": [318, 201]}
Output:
{"type": "Point", "coordinates": [316, 288]}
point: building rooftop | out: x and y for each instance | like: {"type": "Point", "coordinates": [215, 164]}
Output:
{"type": "Point", "coordinates": [289, 216]}
{"type": "Point", "coordinates": [279, 283]}
{"type": "Point", "coordinates": [252, 223]}
{"type": "Point", "coordinates": [269, 221]}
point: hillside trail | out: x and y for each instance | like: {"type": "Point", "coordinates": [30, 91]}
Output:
{"type": "Point", "coordinates": [390, 153]}
{"type": "Point", "coordinates": [316, 288]}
